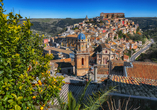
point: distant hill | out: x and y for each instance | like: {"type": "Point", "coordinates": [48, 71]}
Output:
{"type": "Point", "coordinates": [145, 23]}
{"type": "Point", "coordinates": [54, 26]}
{"type": "Point", "coordinates": [51, 26]}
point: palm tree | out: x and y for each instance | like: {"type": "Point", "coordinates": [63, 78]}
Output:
{"type": "Point", "coordinates": [91, 103]}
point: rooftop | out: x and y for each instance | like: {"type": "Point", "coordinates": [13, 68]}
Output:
{"type": "Point", "coordinates": [72, 35]}
{"type": "Point", "coordinates": [143, 70]}
{"type": "Point", "coordinates": [81, 36]}
{"type": "Point", "coordinates": [58, 50]}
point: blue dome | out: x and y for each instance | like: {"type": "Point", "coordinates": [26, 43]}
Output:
{"type": "Point", "coordinates": [81, 36]}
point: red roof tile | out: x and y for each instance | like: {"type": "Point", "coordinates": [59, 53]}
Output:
{"type": "Point", "coordinates": [136, 81]}
{"type": "Point", "coordinates": [143, 70]}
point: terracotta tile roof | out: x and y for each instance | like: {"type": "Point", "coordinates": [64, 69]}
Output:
{"type": "Point", "coordinates": [109, 42]}
{"type": "Point", "coordinates": [133, 86]}
{"type": "Point", "coordinates": [135, 81]}
{"type": "Point", "coordinates": [102, 70]}
{"type": "Point", "coordinates": [117, 63]}
{"type": "Point", "coordinates": [72, 35]}
{"type": "Point", "coordinates": [100, 36]}
{"type": "Point", "coordinates": [105, 46]}
{"type": "Point", "coordinates": [97, 38]}
{"type": "Point", "coordinates": [92, 38]}
{"type": "Point", "coordinates": [135, 47]}
{"type": "Point", "coordinates": [76, 30]}
{"type": "Point", "coordinates": [113, 50]}
{"type": "Point", "coordinates": [126, 56]}
{"type": "Point", "coordinates": [86, 33]}
{"type": "Point", "coordinates": [118, 51]}
{"type": "Point", "coordinates": [66, 60]}
{"type": "Point", "coordinates": [143, 70]}
{"type": "Point", "coordinates": [58, 50]}
{"type": "Point", "coordinates": [63, 62]}
{"type": "Point", "coordinates": [61, 37]}
{"type": "Point", "coordinates": [114, 43]}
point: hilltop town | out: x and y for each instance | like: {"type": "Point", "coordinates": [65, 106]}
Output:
{"type": "Point", "coordinates": [70, 56]}
{"type": "Point", "coordinates": [94, 49]}
{"type": "Point", "coordinates": [102, 40]}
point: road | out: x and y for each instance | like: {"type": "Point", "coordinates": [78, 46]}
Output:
{"type": "Point", "coordinates": [140, 51]}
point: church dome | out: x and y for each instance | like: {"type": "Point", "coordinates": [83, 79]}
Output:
{"type": "Point", "coordinates": [81, 36]}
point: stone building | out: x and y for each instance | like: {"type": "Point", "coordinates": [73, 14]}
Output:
{"type": "Point", "coordinates": [104, 54]}
{"type": "Point", "coordinates": [86, 19]}
{"type": "Point", "coordinates": [81, 56]}
{"type": "Point", "coordinates": [71, 40]}
{"type": "Point", "coordinates": [112, 15]}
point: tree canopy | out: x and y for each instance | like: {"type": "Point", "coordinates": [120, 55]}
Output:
{"type": "Point", "coordinates": [25, 79]}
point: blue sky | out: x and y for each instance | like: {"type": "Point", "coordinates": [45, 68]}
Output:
{"type": "Point", "coordinates": [80, 8]}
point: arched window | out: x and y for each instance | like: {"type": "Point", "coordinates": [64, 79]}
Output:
{"type": "Point", "coordinates": [82, 61]}
{"type": "Point", "coordinates": [79, 47]}
{"type": "Point", "coordinates": [106, 51]}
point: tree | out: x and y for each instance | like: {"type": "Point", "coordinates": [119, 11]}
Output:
{"type": "Point", "coordinates": [138, 29]}
{"type": "Point", "coordinates": [21, 62]}
{"type": "Point", "coordinates": [120, 34]}
{"type": "Point", "coordinates": [115, 37]}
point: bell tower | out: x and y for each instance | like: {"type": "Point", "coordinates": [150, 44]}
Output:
{"type": "Point", "coordinates": [81, 56]}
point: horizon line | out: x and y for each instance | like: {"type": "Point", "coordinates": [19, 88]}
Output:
{"type": "Point", "coordinates": [84, 18]}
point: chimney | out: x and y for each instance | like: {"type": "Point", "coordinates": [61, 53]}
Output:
{"type": "Point", "coordinates": [49, 51]}
{"type": "Point", "coordinates": [95, 73]}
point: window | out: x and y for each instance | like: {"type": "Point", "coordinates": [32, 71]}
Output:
{"type": "Point", "coordinates": [82, 46]}
{"type": "Point", "coordinates": [106, 51]}
{"type": "Point", "coordinates": [82, 61]}
{"type": "Point", "coordinates": [99, 61]}
{"type": "Point", "coordinates": [78, 47]}
{"type": "Point", "coordinates": [99, 56]}
{"type": "Point", "coordinates": [68, 70]}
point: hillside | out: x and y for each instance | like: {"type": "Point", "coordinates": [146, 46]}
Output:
{"type": "Point", "coordinates": [145, 23]}
{"type": "Point", "coordinates": [51, 27]}
{"type": "Point", "coordinates": [149, 27]}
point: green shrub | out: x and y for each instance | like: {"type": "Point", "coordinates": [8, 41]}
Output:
{"type": "Point", "coordinates": [21, 61]}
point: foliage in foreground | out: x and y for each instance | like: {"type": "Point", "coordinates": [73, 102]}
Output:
{"type": "Point", "coordinates": [91, 103]}
{"type": "Point", "coordinates": [21, 62]}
